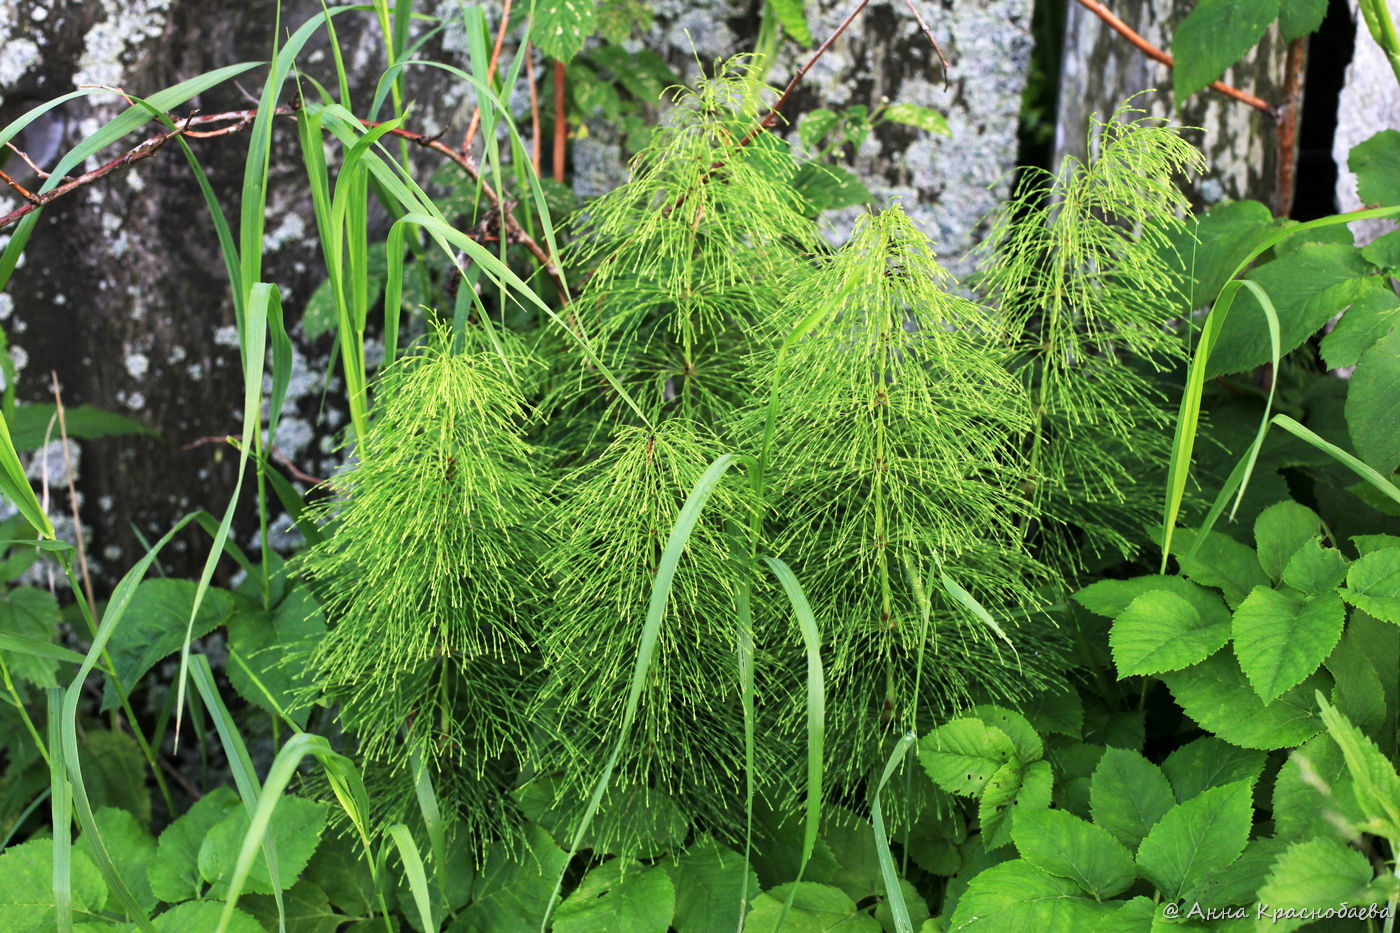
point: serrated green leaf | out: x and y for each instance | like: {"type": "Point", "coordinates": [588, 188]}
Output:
{"type": "Point", "coordinates": [1384, 251]}
{"type": "Point", "coordinates": [204, 915]}
{"type": "Point", "coordinates": [1221, 562]}
{"type": "Point", "coordinates": [1308, 875]}
{"type": "Point", "coordinates": [305, 907]}
{"type": "Point", "coordinates": [30, 612]}
{"type": "Point", "coordinates": [1298, 18]}
{"type": "Point", "coordinates": [1282, 638]}
{"type": "Point", "coordinates": [121, 833]}
{"type": "Point", "coordinates": [1016, 726]}
{"type": "Point", "coordinates": [1376, 163]}
{"type": "Point", "coordinates": [852, 842]}
{"type": "Point", "coordinates": [1315, 568]}
{"type": "Point", "coordinates": [1215, 35]}
{"type": "Point", "coordinates": [1238, 883]}
{"type": "Point", "coordinates": [1134, 916]}
{"type": "Point", "coordinates": [174, 875]}
{"type": "Point", "coordinates": [1017, 897]}
{"type": "Point", "coordinates": [154, 627]}
{"type": "Point", "coordinates": [1129, 794]}
{"type": "Point", "coordinates": [789, 13]}
{"type": "Point", "coordinates": [996, 798]}
{"type": "Point", "coordinates": [708, 879]}
{"type": "Point", "coordinates": [339, 869]}
{"type": "Point", "coordinates": [1312, 784]}
{"type": "Point", "coordinates": [1358, 691]}
{"type": "Point", "coordinates": [1373, 584]}
{"type": "Point", "coordinates": [813, 126]}
{"type": "Point", "coordinates": [828, 187]}
{"type": "Point", "coordinates": [1217, 695]}
{"type": "Point", "coordinates": [26, 887]}
{"type": "Point", "coordinates": [1279, 531]}
{"type": "Point", "coordinates": [1035, 791]}
{"type": "Point", "coordinates": [1208, 762]}
{"type": "Point", "coordinates": [114, 771]}
{"type": "Point", "coordinates": [268, 646]}
{"type": "Point", "coordinates": [295, 832]}
{"type": "Point", "coordinates": [619, 895]}
{"type": "Point", "coordinates": [1110, 597]}
{"type": "Point", "coordinates": [1206, 248]}
{"type": "Point", "coordinates": [561, 26]}
{"type": "Point", "coordinates": [1307, 288]}
{"type": "Point", "coordinates": [1062, 844]}
{"type": "Point", "coordinates": [924, 118]}
{"type": "Point", "coordinates": [1373, 405]}
{"type": "Point", "coordinates": [1160, 631]}
{"type": "Point", "coordinates": [816, 908]}
{"type": "Point", "coordinates": [513, 883]}
{"type": "Point", "coordinates": [1367, 320]}
{"type": "Point", "coordinates": [1375, 783]}
{"type": "Point", "coordinates": [1195, 838]}
{"type": "Point", "coordinates": [961, 756]}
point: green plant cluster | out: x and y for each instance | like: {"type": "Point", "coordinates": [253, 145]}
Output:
{"type": "Point", "coordinates": [734, 580]}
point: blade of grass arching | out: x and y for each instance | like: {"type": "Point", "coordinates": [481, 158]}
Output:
{"type": "Point", "coordinates": [432, 817]}
{"type": "Point", "coordinates": [1366, 473]}
{"type": "Point", "coordinates": [340, 74]}
{"type": "Point", "coordinates": [923, 592]}
{"type": "Point", "coordinates": [1188, 417]}
{"type": "Point", "coordinates": [255, 345]}
{"type": "Point", "coordinates": [18, 822]}
{"type": "Point", "coordinates": [14, 484]}
{"type": "Point", "coordinates": [417, 878]}
{"type": "Point", "coordinates": [277, 710]}
{"type": "Point", "coordinates": [965, 599]}
{"type": "Point", "coordinates": [128, 120]}
{"type": "Point", "coordinates": [38, 648]}
{"type": "Point", "coordinates": [1272, 316]}
{"type": "Point", "coordinates": [894, 896]}
{"type": "Point", "coordinates": [646, 647]}
{"type": "Point", "coordinates": [744, 652]}
{"type": "Point", "coordinates": [816, 716]}
{"type": "Point", "coordinates": [61, 808]}
{"type": "Point", "coordinates": [68, 723]}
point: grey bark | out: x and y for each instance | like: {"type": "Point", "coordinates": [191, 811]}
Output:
{"type": "Point", "coordinates": [1369, 103]}
{"type": "Point", "coordinates": [1101, 69]}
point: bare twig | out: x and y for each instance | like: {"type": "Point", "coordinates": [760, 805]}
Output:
{"type": "Point", "coordinates": [919, 17]}
{"type": "Point", "coordinates": [490, 73]}
{"type": "Point", "coordinates": [27, 161]}
{"type": "Point", "coordinates": [1288, 128]}
{"type": "Point", "coordinates": [561, 126]}
{"type": "Point", "coordinates": [20, 189]}
{"type": "Point", "coordinates": [72, 492]}
{"type": "Point", "coordinates": [1156, 54]}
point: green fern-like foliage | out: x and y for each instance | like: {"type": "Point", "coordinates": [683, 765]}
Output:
{"type": "Point", "coordinates": [610, 530]}
{"type": "Point", "coordinates": [894, 441]}
{"type": "Point", "coordinates": [430, 559]}
{"type": "Point", "coordinates": [1076, 265]}
{"type": "Point", "coordinates": [687, 254]}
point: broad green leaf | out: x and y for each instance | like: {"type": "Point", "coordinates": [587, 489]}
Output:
{"type": "Point", "coordinates": [154, 627]}
{"type": "Point", "coordinates": [1062, 844]}
{"type": "Point", "coordinates": [30, 423]}
{"type": "Point", "coordinates": [1134, 916]}
{"type": "Point", "coordinates": [618, 895]}
{"type": "Point", "coordinates": [1312, 784]}
{"type": "Point", "coordinates": [561, 26]}
{"type": "Point", "coordinates": [813, 126]}
{"type": "Point", "coordinates": [779, 841]}
{"type": "Point", "coordinates": [1384, 251]}
{"type": "Point", "coordinates": [305, 906]}
{"type": "Point", "coordinates": [827, 187]}
{"type": "Point", "coordinates": [174, 875]}
{"type": "Point", "coordinates": [513, 883]}
{"type": "Point", "coordinates": [816, 908]}
{"type": "Point", "coordinates": [1034, 791]}
{"type": "Point", "coordinates": [268, 647]}
{"type": "Point", "coordinates": [1217, 695]}
{"type": "Point", "coordinates": [996, 798]}
{"type": "Point", "coordinates": [1298, 18]}
{"type": "Point", "coordinates": [1195, 838]}
{"type": "Point", "coordinates": [1373, 405]}
{"type": "Point", "coordinates": [1373, 584]}
{"type": "Point", "coordinates": [961, 756]}
{"type": "Point", "coordinates": [1376, 163]}
{"type": "Point", "coordinates": [26, 887]}
{"type": "Point", "coordinates": [1129, 795]}
{"type": "Point", "coordinates": [1282, 638]}
{"type": "Point", "coordinates": [121, 833]}
{"type": "Point", "coordinates": [1315, 569]}
{"type": "Point", "coordinates": [115, 772]}
{"type": "Point", "coordinates": [204, 915]}
{"type": "Point", "coordinates": [1358, 691]}
{"type": "Point", "coordinates": [1160, 631]}
{"type": "Point", "coordinates": [30, 612]}
{"type": "Point", "coordinates": [1221, 562]}
{"type": "Point", "coordinates": [1208, 762]}
{"type": "Point", "coordinates": [1058, 710]}
{"type": "Point", "coordinates": [295, 833]}
{"type": "Point", "coordinates": [1307, 288]}
{"type": "Point", "coordinates": [1239, 881]}
{"type": "Point", "coordinates": [1110, 597]}
{"type": "Point", "coordinates": [339, 869]}
{"type": "Point", "coordinates": [789, 13]}
{"type": "Point", "coordinates": [1375, 783]}
{"type": "Point", "coordinates": [708, 879]}
{"type": "Point", "coordinates": [1215, 35]}
{"type": "Point", "coordinates": [1016, 726]}
{"type": "Point", "coordinates": [1017, 897]}
{"type": "Point", "coordinates": [1365, 544]}
{"type": "Point", "coordinates": [1279, 531]}
{"type": "Point", "coordinates": [1369, 318]}
{"type": "Point", "coordinates": [1205, 250]}
{"type": "Point", "coordinates": [1323, 871]}
{"type": "Point", "coordinates": [924, 118]}
{"type": "Point", "coordinates": [852, 842]}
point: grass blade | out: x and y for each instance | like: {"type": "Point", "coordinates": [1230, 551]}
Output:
{"type": "Point", "coordinates": [893, 894]}
{"type": "Point", "coordinates": [417, 878]}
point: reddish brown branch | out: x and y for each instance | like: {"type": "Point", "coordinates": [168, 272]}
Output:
{"type": "Point", "coordinates": [561, 126]}
{"type": "Point", "coordinates": [1156, 54]}
{"type": "Point", "coordinates": [1288, 127]}
{"type": "Point", "coordinates": [490, 73]}
{"type": "Point", "coordinates": [919, 17]}
{"type": "Point", "coordinates": [534, 108]}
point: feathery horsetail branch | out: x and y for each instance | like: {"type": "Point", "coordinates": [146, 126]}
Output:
{"type": "Point", "coordinates": [1077, 266]}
